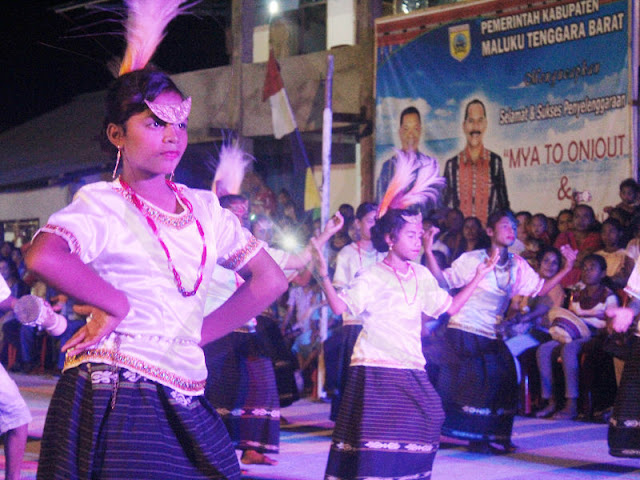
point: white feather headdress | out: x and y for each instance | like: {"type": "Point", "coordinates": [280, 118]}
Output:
{"type": "Point", "coordinates": [145, 28]}
{"type": "Point", "coordinates": [232, 165]}
{"type": "Point", "coordinates": [400, 193]}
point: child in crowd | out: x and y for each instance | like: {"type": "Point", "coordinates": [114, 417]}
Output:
{"type": "Point", "coordinates": [619, 264]}
{"type": "Point", "coordinates": [522, 232]}
{"type": "Point", "coordinates": [629, 194]}
{"type": "Point", "coordinates": [586, 314]}
{"type": "Point", "coordinates": [538, 228]}
{"type": "Point", "coordinates": [474, 236]}
{"type": "Point", "coordinates": [584, 237]}
{"type": "Point", "coordinates": [528, 323]}
{"type": "Point", "coordinates": [564, 221]}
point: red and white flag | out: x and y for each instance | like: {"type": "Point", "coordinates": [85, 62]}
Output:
{"type": "Point", "coordinates": [281, 114]}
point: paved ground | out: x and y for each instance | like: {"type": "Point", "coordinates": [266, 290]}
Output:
{"type": "Point", "coordinates": [549, 450]}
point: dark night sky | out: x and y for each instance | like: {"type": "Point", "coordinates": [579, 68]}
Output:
{"type": "Point", "coordinates": [48, 58]}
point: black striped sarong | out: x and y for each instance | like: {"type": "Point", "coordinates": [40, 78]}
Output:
{"type": "Point", "coordinates": [153, 432]}
{"type": "Point", "coordinates": [624, 424]}
{"type": "Point", "coordinates": [347, 336]}
{"type": "Point", "coordinates": [283, 359]}
{"type": "Point", "coordinates": [478, 385]}
{"type": "Point", "coordinates": [388, 426]}
{"type": "Point", "coordinates": [242, 388]}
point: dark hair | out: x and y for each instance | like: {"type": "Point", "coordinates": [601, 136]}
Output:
{"type": "Point", "coordinates": [475, 101]}
{"type": "Point", "coordinates": [614, 222]}
{"type": "Point", "coordinates": [365, 208]}
{"type": "Point", "coordinates": [389, 224]}
{"type": "Point", "coordinates": [227, 200]}
{"type": "Point", "coordinates": [127, 94]}
{"type": "Point", "coordinates": [595, 225]}
{"type": "Point", "coordinates": [346, 209]}
{"type": "Point", "coordinates": [409, 111]}
{"type": "Point", "coordinates": [549, 249]}
{"type": "Point", "coordinates": [634, 225]}
{"type": "Point", "coordinates": [483, 239]}
{"type": "Point", "coordinates": [599, 259]}
{"type": "Point", "coordinates": [542, 217]}
{"type": "Point", "coordinates": [565, 210]}
{"type": "Point", "coordinates": [13, 269]}
{"type": "Point", "coordinates": [526, 213]}
{"type": "Point", "coordinates": [498, 215]}
{"type": "Point", "coordinates": [586, 207]}
{"type": "Point", "coordinates": [630, 183]}
{"type": "Point", "coordinates": [475, 220]}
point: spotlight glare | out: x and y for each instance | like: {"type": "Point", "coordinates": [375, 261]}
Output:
{"type": "Point", "coordinates": [274, 7]}
{"type": "Point", "coordinates": [289, 242]}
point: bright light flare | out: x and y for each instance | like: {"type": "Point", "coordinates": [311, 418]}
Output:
{"type": "Point", "coordinates": [274, 7]}
{"type": "Point", "coordinates": [289, 242]}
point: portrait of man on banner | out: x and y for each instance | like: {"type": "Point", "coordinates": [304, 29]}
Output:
{"type": "Point", "coordinates": [410, 134]}
{"type": "Point", "coordinates": [475, 177]}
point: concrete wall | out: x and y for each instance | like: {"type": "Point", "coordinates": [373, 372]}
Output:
{"type": "Point", "coordinates": [38, 204]}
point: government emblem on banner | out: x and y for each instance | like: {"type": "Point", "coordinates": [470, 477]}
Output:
{"type": "Point", "coordinates": [459, 41]}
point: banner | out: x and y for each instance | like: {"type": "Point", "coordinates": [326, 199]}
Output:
{"type": "Point", "coordinates": [554, 81]}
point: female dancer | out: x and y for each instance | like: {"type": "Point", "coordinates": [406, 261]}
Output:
{"type": "Point", "coordinates": [350, 260]}
{"type": "Point", "coordinates": [241, 384]}
{"type": "Point", "coordinates": [624, 440]}
{"type": "Point", "coordinates": [478, 382]}
{"type": "Point", "coordinates": [130, 402]}
{"type": "Point", "coordinates": [389, 421]}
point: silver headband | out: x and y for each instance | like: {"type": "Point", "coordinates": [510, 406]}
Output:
{"type": "Point", "coordinates": [171, 112]}
{"type": "Point", "coordinates": [415, 218]}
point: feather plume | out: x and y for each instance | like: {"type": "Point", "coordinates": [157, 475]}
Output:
{"type": "Point", "coordinates": [400, 193]}
{"type": "Point", "coordinates": [425, 187]}
{"type": "Point", "coordinates": [145, 29]}
{"type": "Point", "coordinates": [231, 168]}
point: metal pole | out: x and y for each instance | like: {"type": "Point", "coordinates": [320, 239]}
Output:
{"type": "Point", "coordinates": [327, 123]}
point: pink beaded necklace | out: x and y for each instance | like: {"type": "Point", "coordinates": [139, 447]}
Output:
{"type": "Point", "coordinates": [415, 295]}
{"type": "Point", "coordinates": [139, 205]}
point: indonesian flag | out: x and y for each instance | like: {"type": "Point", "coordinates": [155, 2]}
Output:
{"type": "Point", "coordinates": [281, 114]}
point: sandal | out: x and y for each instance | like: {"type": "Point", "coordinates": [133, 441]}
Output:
{"type": "Point", "coordinates": [251, 457]}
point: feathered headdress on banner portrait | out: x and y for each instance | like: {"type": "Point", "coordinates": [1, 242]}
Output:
{"type": "Point", "coordinates": [145, 28]}
{"type": "Point", "coordinates": [412, 184]}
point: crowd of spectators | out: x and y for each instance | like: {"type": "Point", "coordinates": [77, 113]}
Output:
{"type": "Point", "coordinates": [276, 220]}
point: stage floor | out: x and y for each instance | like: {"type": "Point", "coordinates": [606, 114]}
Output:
{"type": "Point", "coordinates": [549, 450]}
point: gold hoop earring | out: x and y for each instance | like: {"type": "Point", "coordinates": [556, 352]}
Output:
{"type": "Point", "coordinates": [118, 155]}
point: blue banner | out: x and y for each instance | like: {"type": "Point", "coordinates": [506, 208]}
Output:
{"type": "Point", "coordinates": [554, 82]}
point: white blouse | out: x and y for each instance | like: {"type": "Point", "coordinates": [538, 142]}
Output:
{"type": "Point", "coordinates": [350, 260]}
{"type": "Point", "coordinates": [484, 309]}
{"type": "Point", "coordinates": [224, 282]}
{"type": "Point", "coordinates": [159, 337]}
{"type": "Point", "coordinates": [5, 291]}
{"type": "Point", "coordinates": [390, 306]}
{"type": "Point", "coordinates": [633, 288]}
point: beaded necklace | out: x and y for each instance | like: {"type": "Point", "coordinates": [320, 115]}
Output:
{"type": "Point", "coordinates": [507, 267]}
{"type": "Point", "coordinates": [415, 295]}
{"type": "Point", "coordinates": [359, 248]}
{"type": "Point", "coordinates": [140, 206]}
